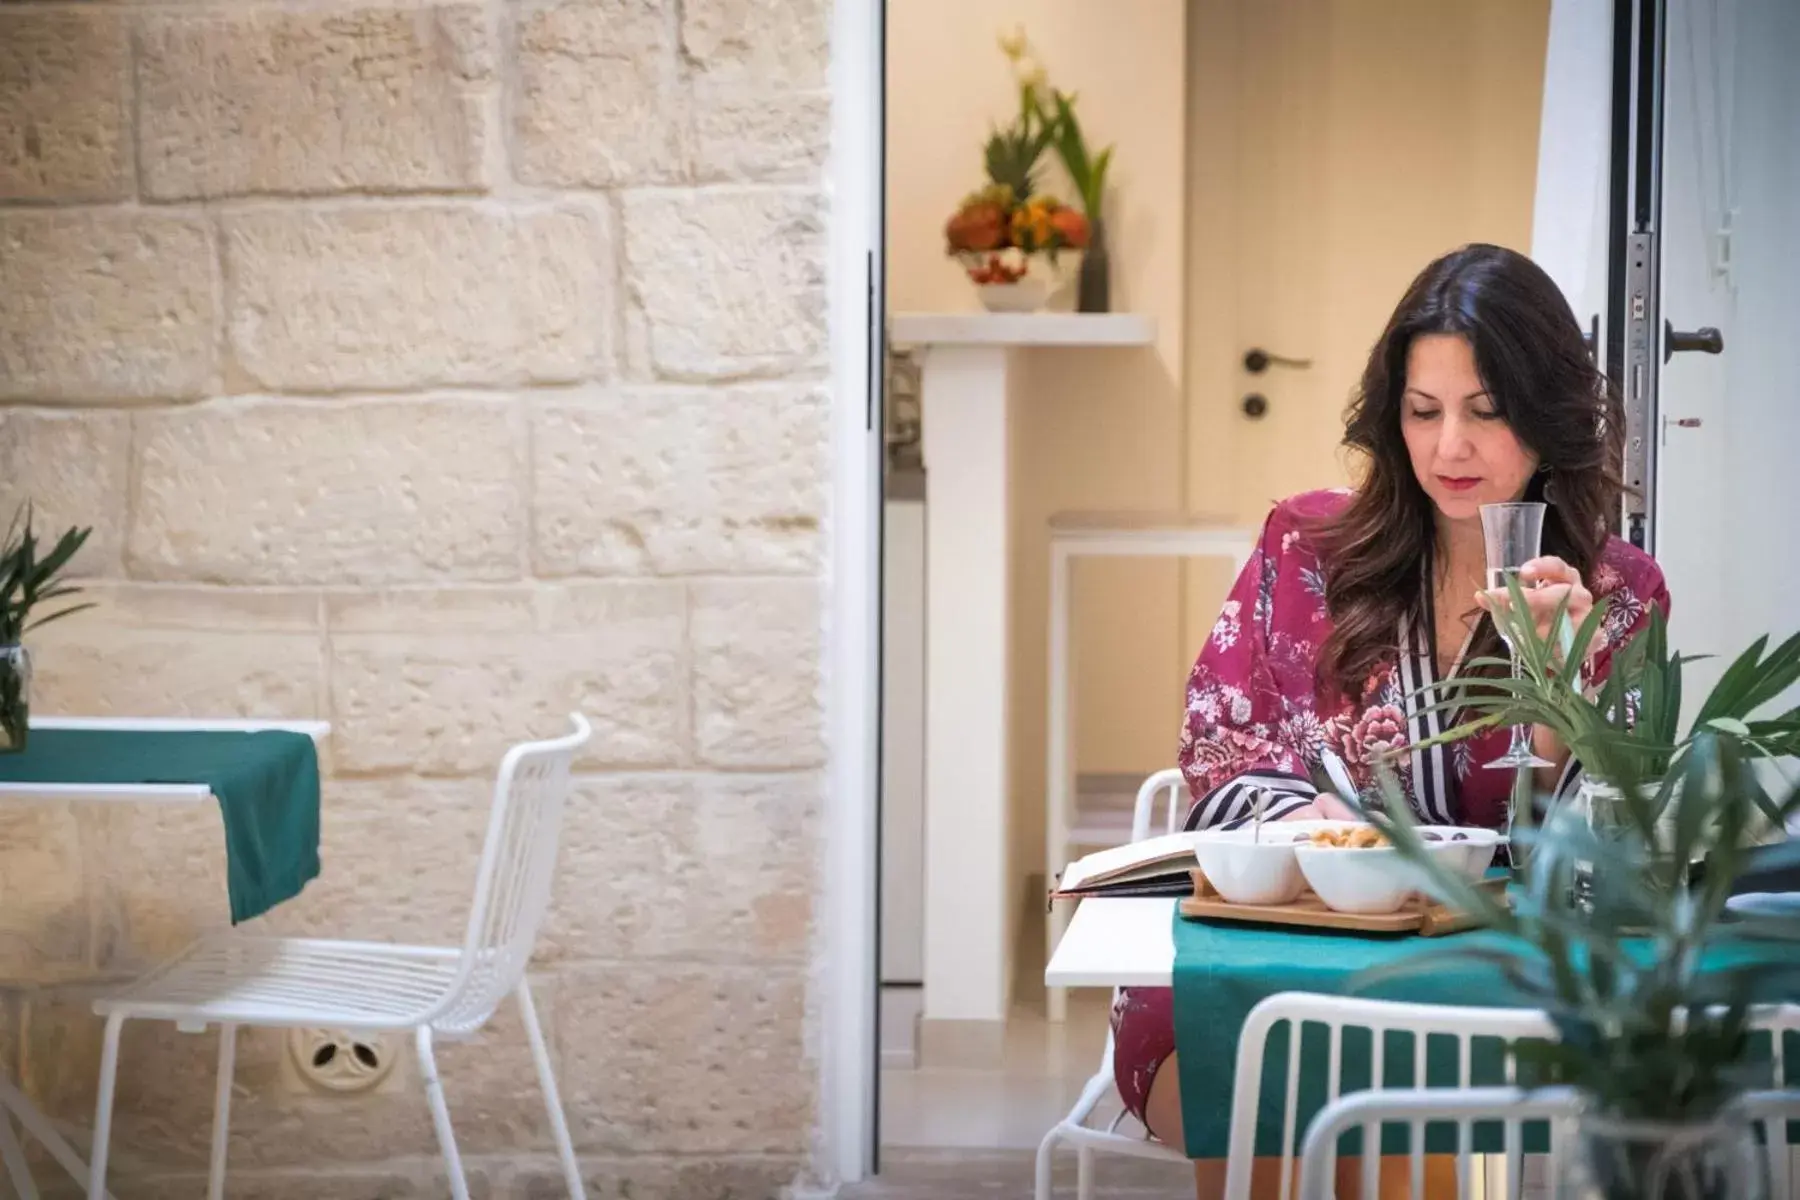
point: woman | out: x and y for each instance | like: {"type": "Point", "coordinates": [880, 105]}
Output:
{"type": "Point", "coordinates": [1480, 390]}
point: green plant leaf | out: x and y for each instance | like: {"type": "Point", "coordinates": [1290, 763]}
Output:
{"type": "Point", "coordinates": [58, 615]}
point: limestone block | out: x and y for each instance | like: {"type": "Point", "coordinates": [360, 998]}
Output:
{"type": "Point", "coordinates": [681, 482]}
{"type": "Point", "coordinates": [105, 305]}
{"type": "Point", "coordinates": [739, 133]}
{"type": "Point", "coordinates": [64, 132]}
{"type": "Point", "coordinates": [688, 1058]}
{"type": "Point", "coordinates": [360, 99]}
{"type": "Point", "coordinates": [398, 858]}
{"type": "Point", "coordinates": [758, 687]}
{"type": "Point", "coordinates": [785, 41]}
{"type": "Point", "coordinates": [720, 867]}
{"type": "Point", "coordinates": [730, 282]}
{"type": "Point", "coordinates": [44, 928]}
{"type": "Point", "coordinates": [411, 295]}
{"type": "Point", "coordinates": [443, 701]}
{"type": "Point", "coordinates": [183, 652]}
{"type": "Point", "coordinates": [73, 468]}
{"type": "Point", "coordinates": [372, 491]}
{"type": "Point", "coordinates": [597, 102]}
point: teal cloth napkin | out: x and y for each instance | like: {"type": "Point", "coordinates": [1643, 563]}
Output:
{"type": "Point", "coordinates": [267, 785]}
{"type": "Point", "coordinates": [1223, 970]}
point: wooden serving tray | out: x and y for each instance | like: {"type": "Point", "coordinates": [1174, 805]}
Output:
{"type": "Point", "coordinates": [1423, 917]}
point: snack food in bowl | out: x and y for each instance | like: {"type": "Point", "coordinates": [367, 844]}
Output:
{"type": "Point", "coordinates": [1471, 850]}
{"type": "Point", "coordinates": [1246, 869]}
{"type": "Point", "coordinates": [1368, 880]}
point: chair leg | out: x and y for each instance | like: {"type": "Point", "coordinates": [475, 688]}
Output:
{"type": "Point", "coordinates": [1046, 1150]}
{"type": "Point", "coordinates": [215, 1175]}
{"type": "Point", "coordinates": [17, 1168]}
{"type": "Point", "coordinates": [440, 1114]}
{"type": "Point", "coordinates": [1084, 1174]}
{"type": "Point", "coordinates": [103, 1107]}
{"type": "Point", "coordinates": [559, 1125]}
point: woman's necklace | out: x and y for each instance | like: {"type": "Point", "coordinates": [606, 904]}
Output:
{"type": "Point", "coordinates": [1456, 613]}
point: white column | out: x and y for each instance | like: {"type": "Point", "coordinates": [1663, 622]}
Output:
{"type": "Point", "coordinates": [965, 414]}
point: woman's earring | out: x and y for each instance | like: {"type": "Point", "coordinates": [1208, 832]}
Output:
{"type": "Point", "coordinates": [1549, 491]}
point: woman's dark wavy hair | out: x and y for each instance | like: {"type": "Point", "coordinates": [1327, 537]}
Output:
{"type": "Point", "coordinates": [1535, 365]}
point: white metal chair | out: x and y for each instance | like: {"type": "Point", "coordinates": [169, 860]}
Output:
{"type": "Point", "coordinates": [1369, 1112]}
{"type": "Point", "coordinates": [1382, 1018]}
{"type": "Point", "coordinates": [230, 981]}
{"type": "Point", "coordinates": [1421, 1022]}
{"type": "Point", "coordinates": [1073, 1129]}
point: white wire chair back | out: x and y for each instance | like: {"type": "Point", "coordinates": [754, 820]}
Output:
{"type": "Point", "coordinates": [514, 878]}
{"type": "Point", "coordinates": [1421, 1023]}
{"type": "Point", "coordinates": [1555, 1109]}
{"type": "Point", "coordinates": [1169, 786]}
{"type": "Point", "coordinates": [1416, 1024]}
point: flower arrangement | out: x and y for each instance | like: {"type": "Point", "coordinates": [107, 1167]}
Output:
{"type": "Point", "coordinates": [999, 228]}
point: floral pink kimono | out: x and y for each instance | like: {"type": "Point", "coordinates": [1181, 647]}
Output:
{"type": "Point", "coordinates": [1258, 718]}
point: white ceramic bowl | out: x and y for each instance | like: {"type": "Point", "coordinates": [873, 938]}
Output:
{"type": "Point", "coordinates": [1368, 881]}
{"type": "Point", "coordinates": [1470, 850]}
{"type": "Point", "coordinates": [1244, 869]}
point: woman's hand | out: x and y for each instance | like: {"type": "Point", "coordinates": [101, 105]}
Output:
{"type": "Point", "coordinates": [1546, 582]}
{"type": "Point", "coordinates": [1322, 807]}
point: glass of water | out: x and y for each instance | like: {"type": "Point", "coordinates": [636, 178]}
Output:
{"type": "Point", "coordinates": [1514, 535]}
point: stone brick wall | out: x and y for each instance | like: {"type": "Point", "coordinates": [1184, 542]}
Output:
{"type": "Point", "coordinates": [436, 368]}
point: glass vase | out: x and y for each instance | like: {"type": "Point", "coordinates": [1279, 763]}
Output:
{"type": "Point", "coordinates": [1093, 292]}
{"type": "Point", "coordinates": [15, 698]}
{"type": "Point", "coordinates": [1717, 1158]}
{"type": "Point", "coordinates": [1602, 805]}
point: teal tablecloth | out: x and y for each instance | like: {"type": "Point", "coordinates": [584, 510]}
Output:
{"type": "Point", "coordinates": [267, 784]}
{"type": "Point", "coordinates": [1222, 971]}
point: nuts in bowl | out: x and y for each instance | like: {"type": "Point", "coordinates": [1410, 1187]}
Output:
{"type": "Point", "coordinates": [1356, 837]}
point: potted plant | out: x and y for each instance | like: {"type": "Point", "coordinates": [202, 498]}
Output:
{"type": "Point", "coordinates": [1000, 230]}
{"type": "Point", "coordinates": [27, 581]}
{"type": "Point", "coordinates": [1625, 733]}
{"type": "Point", "coordinates": [1649, 977]}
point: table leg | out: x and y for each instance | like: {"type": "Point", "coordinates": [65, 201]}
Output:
{"type": "Point", "coordinates": [17, 1169]}
{"type": "Point", "coordinates": [34, 1122]}
{"type": "Point", "coordinates": [1060, 757]}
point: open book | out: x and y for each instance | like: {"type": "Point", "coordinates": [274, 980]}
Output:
{"type": "Point", "coordinates": [1158, 866]}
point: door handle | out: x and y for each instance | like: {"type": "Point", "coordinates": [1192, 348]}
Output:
{"type": "Point", "coordinates": [1257, 360]}
{"type": "Point", "coordinates": [1704, 340]}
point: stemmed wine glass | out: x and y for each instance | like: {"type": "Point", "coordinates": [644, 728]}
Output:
{"type": "Point", "coordinates": [1513, 533]}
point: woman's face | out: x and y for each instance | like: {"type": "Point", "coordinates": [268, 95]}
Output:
{"type": "Point", "coordinates": [1462, 453]}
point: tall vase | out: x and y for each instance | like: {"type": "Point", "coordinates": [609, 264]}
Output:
{"type": "Point", "coordinates": [15, 698]}
{"type": "Point", "coordinates": [1094, 285]}
{"type": "Point", "coordinates": [1717, 1158]}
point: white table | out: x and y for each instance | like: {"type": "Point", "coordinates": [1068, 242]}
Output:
{"type": "Point", "coordinates": [1102, 535]}
{"type": "Point", "coordinates": [12, 1100]}
{"type": "Point", "coordinates": [1116, 942]}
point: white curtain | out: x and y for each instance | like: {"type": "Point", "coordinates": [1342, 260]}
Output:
{"type": "Point", "coordinates": [1568, 220]}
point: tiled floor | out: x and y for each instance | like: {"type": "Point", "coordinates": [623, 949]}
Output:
{"type": "Point", "coordinates": [1007, 1175]}
{"type": "Point", "coordinates": [960, 1134]}
{"type": "Point", "coordinates": [1010, 1107]}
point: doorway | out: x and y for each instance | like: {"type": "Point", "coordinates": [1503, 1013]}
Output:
{"type": "Point", "coordinates": [1283, 168]}
{"type": "Point", "coordinates": [1711, 202]}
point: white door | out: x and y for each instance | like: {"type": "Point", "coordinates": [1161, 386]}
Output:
{"type": "Point", "coordinates": [1726, 518]}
